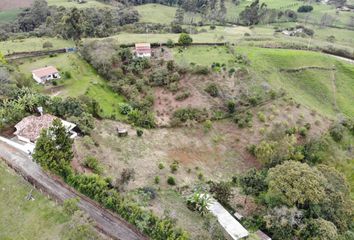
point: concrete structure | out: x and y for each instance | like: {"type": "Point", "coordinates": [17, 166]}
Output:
{"type": "Point", "coordinates": [143, 50]}
{"type": "Point", "coordinates": [42, 75]}
{"type": "Point", "coordinates": [29, 129]}
{"type": "Point", "coordinates": [233, 228]}
{"type": "Point", "coordinates": [262, 236]}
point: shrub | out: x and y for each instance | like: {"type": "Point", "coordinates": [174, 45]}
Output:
{"type": "Point", "coordinates": [70, 205]}
{"type": "Point", "coordinates": [201, 70]}
{"type": "Point", "coordinates": [184, 114]}
{"type": "Point", "coordinates": [161, 166]}
{"type": "Point", "coordinates": [212, 89]}
{"type": "Point", "coordinates": [139, 132]}
{"type": "Point", "coordinates": [67, 74]}
{"type": "Point", "coordinates": [261, 116]}
{"type": "Point", "coordinates": [157, 180]}
{"type": "Point", "coordinates": [231, 106]}
{"type": "Point", "coordinates": [182, 96]}
{"type": "Point", "coordinates": [174, 167]}
{"type": "Point", "coordinates": [170, 43]}
{"type": "Point", "coordinates": [305, 8]}
{"type": "Point", "coordinates": [303, 131]}
{"type": "Point", "coordinates": [212, 27]}
{"type": "Point", "coordinates": [47, 45]}
{"type": "Point", "coordinates": [185, 39]}
{"type": "Point", "coordinates": [171, 181]}
{"type": "Point", "coordinates": [125, 108]}
{"type": "Point", "coordinates": [221, 191]}
{"type": "Point", "coordinates": [92, 163]}
{"type": "Point", "coordinates": [337, 131]}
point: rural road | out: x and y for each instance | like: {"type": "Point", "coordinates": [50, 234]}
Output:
{"type": "Point", "coordinates": [108, 223]}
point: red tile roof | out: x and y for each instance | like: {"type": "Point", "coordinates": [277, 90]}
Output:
{"type": "Point", "coordinates": [30, 127]}
{"type": "Point", "coordinates": [143, 47]}
{"type": "Point", "coordinates": [43, 72]}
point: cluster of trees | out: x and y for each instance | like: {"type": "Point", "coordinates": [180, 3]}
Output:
{"type": "Point", "coordinates": [258, 12]}
{"type": "Point", "coordinates": [22, 102]}
{"type": "Point", "coordinates": [304, 198]}
{"type": "Point", "coordinates": [41, 19]}
{"type": "Point", "coordinates": [96, 187]}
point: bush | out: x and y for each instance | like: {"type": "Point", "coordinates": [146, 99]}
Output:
{"type": "Point", "coordinates": [70, 205]}
{"type": "Point", "coordinates": [170, 43]}
{"type": "Point", "coordinates": [47, 45]}
{"type": "Point", "coordinates": [231, 106]}
{"type": "Point", "coordinates": [93, 164]}
{"type": "Point", "coordinates": [184, 114]}
{"type": "Point", "coordinates": [67, 74]}
{"type": "Point", "coordinates": [182, 96]}
{"type": "Point", "coordinates": [212, 27]}
{"type": "Point", "coordinates": [184, 39]}
{"type": "Point", "coordinates": [305, 8]}
{"type": "Point", "coordinates": [222, 192]}
{"type": "Point", "coordinates": [174, 167]}
{"type": "Point", "coordinates": [200, 70]}
{"type": "Point", "coordinates": [212, 89]}
{"type": "Point", "coordinates": [139, 132]}
{"type": "Point", "coordinates": [161, 166]}
{"type": "Point", "coordinates": [171, 181]}
{"type": "Point", "coordinates": [125, 109]}
{"type": "Point", "coordinates": [261, 116]}
{"type": "Point", "coordinates": [337, 132]}
{"type": "Point", "coordinates": [157, 180]}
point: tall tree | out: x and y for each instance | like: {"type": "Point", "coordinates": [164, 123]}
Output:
{"type": "Point", "coordinates": [53, 149]}
{"type": "Point", "coordinates": [253, 13]}
{"type": "Point", "coordinates": [296, 184]}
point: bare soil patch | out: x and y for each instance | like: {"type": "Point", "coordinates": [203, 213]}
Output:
{"type": "Point", "coordinates": [13, 4]}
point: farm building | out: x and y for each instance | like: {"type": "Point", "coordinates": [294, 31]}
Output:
{"type": "Point", "coordinates": [233, 228]}
{"type": "Point", "coordinates": [29, 129]}
{"type": "Point", "coordinates": [42, 75]}
{"type": "Point", "coordinates": [143, 50]}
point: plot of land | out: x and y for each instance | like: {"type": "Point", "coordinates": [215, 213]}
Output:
{"type": "Point", "coordinates": [14, 4]}
{"type": "Point", "coordinates": [32, 44]}
{"type": "Point", "coordinates": [83, 81]}
{"type": "Point", "coordinates": [26, 219]}
{"type": "Point", "coordinates": [70, 4]}
{"type": "Point", "coordinates": [155, 13]}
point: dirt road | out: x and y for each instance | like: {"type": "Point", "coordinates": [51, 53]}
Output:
{"type": "Point", "coordinates": [107, 222]}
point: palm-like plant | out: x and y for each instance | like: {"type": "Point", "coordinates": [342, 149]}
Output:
{"type": "Point", "coordinates": [198, 202]}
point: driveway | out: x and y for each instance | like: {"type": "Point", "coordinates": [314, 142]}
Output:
{"type": "Point", "coordinates": [108, 223]}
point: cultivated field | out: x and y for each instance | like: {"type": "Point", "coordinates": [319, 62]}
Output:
{"type": "Point", "coordinates": [14, 4]}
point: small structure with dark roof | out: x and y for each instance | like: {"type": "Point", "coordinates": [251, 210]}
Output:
{"type": "Point", "coordinates": [42, 75]}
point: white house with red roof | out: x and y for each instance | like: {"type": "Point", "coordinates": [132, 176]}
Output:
{"type": "Point", "coordinates": [143, 50]}
{"type": "Point", "coordinates": [42, 75]}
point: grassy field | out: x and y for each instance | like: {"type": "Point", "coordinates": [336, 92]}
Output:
{"type": "Point", "coordinates": [313, 88]}
{"type": "Point", "coordinates": [70, 4]}
{"type": "Point", "coordinates": [32, 44]}
{"type": "Point", "coordinates": [8, 15]}
{"type": "Point", "coordinates": [84, 80]}
{"type": "Point", "coordinates": [203, 56]}
{"type": "Point", "coordinates": [22, 219]}
{"type": "Point", "coordinates": [155, 13]}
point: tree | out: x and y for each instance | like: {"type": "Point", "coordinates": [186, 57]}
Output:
{"type": "Point", "coordinates": [185, 39]}
{"type": "Point", "coordinates": [253, 13]}
{"type": "Point", "coordinates": [179, 16]}
{"type": "Point", "coordinates": [295, 184]}
{"type": "Point", "coordinates": [222, 192]}
{"type": "Point", "coordinates": [72, 27]}
{"type": "Point", "coordinates": [53, 149]}
{"type": "Point", "coordinates": [253, 182]}
{"type": "Point", "coordinates": [283, 222]}
{"type": "Point", "coordinates": [319, 229]}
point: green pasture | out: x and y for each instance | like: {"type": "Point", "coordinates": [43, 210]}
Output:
{"type": "Point", "coordinates": [23, 219]}
{"type": "Point", "coordinates": [83, 81]}
{"type": "Point", "coordinates": [71, 4]}
{"type": "Point", "coordinates": [156, 13]}
{"type": "Point", "coordinates": [8, 15]}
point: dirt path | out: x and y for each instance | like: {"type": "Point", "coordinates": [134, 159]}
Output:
{"type": "Point", "coordinates": [105, 221]}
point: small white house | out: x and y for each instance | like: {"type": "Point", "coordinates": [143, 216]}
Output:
{"type": "Point", "coordinates": [42, 75]}
{"type": "Point", "coordinates": [143, 50]}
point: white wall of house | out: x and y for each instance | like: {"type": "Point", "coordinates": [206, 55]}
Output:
{"type": "Point", "coordinates": [43, 80]}
{"type": "Point", "coordinates": [143, 55]}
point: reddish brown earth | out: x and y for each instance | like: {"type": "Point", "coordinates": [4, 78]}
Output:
{"type": "Point", "coordinates": [13, 4]}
